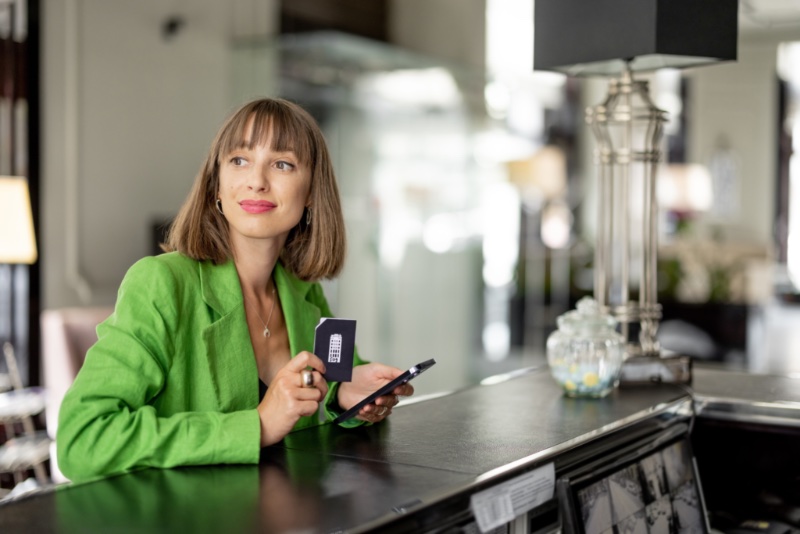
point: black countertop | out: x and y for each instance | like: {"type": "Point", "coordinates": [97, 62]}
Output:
{"type": "Point", "coordinates": [428, 454]}
{"type": "Point", "coordinates": [483, 428]}
{"type": "Point", "coordinates": [713, 383]}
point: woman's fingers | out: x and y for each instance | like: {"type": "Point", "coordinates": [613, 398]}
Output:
{"type": "Point", "coordinates": [305, 359]}
{"type": "Point", "coordinates": [295, 392]}
{"type": "Point", "coordinates": [405, 390]}
{"type": "Point", "coordinates": [388, 401]}
{"type": "Point", "coordinates": [308, 407]}
{"type": "Point", "coordinates": [296, 373]}
{"type": "Point", "coordinates": [318, 388]}
{"type": "Point", "coordinates": [374, 413]}
{"type": "Point", "coordinates": [380, 409]}
{"type": "Point", "coordinates": [367, 378]}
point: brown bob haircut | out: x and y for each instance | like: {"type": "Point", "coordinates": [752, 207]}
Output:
{"type": "Point", "coordinates": [312, 251]}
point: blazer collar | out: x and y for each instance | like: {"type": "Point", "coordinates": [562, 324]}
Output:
{"type": "Point", "coordinates": [227, 341]}
{"type": "Point", "coordinates": [301, 315]}
{"type": "Point", "coordinates": [228, 335]}
{"type": "Point", "coordinates": [220, 285]}
{"type": "Point", "coordinates": [223, 293]}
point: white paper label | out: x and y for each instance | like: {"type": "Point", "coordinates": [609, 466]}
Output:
{"type": "Point", "coordinates": [502, 503]}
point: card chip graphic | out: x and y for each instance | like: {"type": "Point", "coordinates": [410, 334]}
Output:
{"type": "Point", "coordinates": [335, 349]}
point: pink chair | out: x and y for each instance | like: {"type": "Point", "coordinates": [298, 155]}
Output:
{"type": "Point", "coordinates": [67, 334]}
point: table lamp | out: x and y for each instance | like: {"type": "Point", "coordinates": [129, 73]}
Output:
{"type": "Point", "coordinates": [617, 38]}
{"type": "Point", "coordinates": [17, 240]}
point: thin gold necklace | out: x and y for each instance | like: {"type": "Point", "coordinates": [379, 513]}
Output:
{"type": "Point", "coordinates": [266, 333]}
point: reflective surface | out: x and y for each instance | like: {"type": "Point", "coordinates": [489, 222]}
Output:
{"type": "Point", "coordinates": [748, 398]}
{"type": "Point", "coordinates": [414, 471]}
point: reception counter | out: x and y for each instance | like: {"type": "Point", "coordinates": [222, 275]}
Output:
{"type": "Point", "coordinates": [418, 471]}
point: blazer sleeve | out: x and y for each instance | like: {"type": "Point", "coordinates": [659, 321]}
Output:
{"type": "Point", "coordinates": [331, 404]}
{"type": "Point", "coordinates": [107, 423]}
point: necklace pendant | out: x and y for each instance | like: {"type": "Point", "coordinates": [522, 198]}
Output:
{"type": "Point", "coordinates": [267, 333]}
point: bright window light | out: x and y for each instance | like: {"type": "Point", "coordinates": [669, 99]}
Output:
{"type": "Point", "coordinates": [509, 36]}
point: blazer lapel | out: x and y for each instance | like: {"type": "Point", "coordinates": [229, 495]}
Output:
{"type": "Point", "coordinates": [229, 352]}
{"type": "Point", "coordinates": [301, 316]}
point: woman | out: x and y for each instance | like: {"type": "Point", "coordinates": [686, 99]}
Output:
{"type": "Point", "coordinates": [179, 372]}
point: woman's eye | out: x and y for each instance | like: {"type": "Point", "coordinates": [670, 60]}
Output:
{"type": "Point", "coordinates": [284, 165]}
{"type": "Point", "coordinates": [238, 161]}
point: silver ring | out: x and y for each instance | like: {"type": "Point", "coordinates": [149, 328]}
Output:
{"type": "Point", "coordinates": [384, 409]}
{"type": "Point", "coordinates": [307, 378]}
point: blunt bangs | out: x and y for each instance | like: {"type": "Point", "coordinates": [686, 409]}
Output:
{"type": "Point", "coordinates": [315, 248]}
{"type": "Point", "coordinates": [269, 123]}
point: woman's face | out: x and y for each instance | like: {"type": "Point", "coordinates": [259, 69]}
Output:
{"type": "Point", "coordinates": [263, 192]}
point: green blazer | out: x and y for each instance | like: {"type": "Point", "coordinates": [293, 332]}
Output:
{"type": "Point", "coordinates": [172, 379]}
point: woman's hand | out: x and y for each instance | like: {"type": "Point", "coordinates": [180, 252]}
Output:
{"type": "Point", "coordinates": [287, 399]}
{"type": "Point", "coordinates": [366, 379]}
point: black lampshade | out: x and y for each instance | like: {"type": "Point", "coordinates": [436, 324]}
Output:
{"type": "Point", "coordinates": [593, 37]}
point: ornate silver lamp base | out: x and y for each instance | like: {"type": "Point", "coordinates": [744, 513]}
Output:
{"type": "Point", "coordinates": [656, 369]}
{"type": "Point", "coordinates": [628, 129]}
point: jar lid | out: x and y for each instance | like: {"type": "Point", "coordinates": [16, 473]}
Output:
{"type": "Point", "coordinates": [587, 317]}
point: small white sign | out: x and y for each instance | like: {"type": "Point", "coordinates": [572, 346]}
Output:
{"type": "Point", "coordinates": [500, 504]}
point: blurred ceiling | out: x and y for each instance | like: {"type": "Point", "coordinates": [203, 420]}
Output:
{"type": "Point", "coordinates": [367, 18]}
{"type": "Point", "coordinates": [757, 16]}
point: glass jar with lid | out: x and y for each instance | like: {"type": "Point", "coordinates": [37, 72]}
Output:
{"type": "Point", "coordinates": [585, 354]}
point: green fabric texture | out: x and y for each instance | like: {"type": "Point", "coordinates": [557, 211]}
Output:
{"type": "Point", "coordinates": [172, 379]}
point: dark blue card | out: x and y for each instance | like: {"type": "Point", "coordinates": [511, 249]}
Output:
{"type": "Point", "coordinates": [334, 344]}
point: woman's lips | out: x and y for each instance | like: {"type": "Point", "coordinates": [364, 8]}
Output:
{"type": "Point", "coordinates": [256, 206]}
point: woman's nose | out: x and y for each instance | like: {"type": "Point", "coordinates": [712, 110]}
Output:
{"type": "Point", "coordinates": [259, 180]}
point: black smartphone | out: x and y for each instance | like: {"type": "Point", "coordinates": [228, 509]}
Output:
{"type": "Point", "coordinates": [387, 388]}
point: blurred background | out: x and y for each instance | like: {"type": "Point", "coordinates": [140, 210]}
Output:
{"type": "Point", "coordinates": [466, 177]}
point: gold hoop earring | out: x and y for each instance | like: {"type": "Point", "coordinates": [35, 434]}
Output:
{"type": "Point", "coordinates": [308, 216]}
{"type": "Point", "coordinates": [219, 207]}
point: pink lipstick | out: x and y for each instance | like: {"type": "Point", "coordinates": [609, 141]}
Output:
{"type": "Point", "coordinates": [256, 206]}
